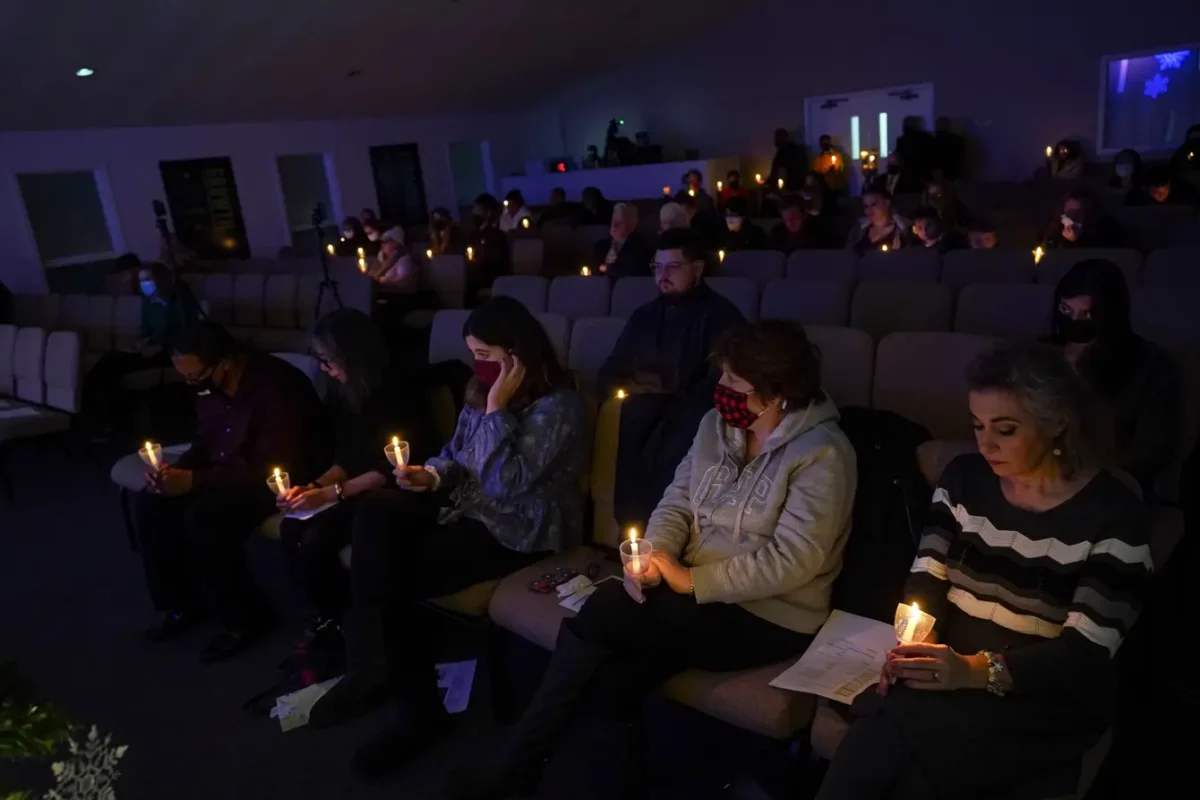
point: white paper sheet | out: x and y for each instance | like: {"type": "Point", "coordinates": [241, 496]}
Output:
{"type": "Point", "coordinates": [456, 678]}
{"type": "Point", "coordinates": [312, 512]}
{"type": "Point", "coordinates": [575, 600]}
{"type": "Point", "coordinates": [845, 657]}
{"type": "Point", "coordinates": [19, 411]}
{"type": "Point", "coordinates": [292, 709]}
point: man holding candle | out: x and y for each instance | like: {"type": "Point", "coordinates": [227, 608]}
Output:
{"type": "Point", "coordinates": [253, 412]}
{"type": "Point", "coordinates": [625, 253]}
{"type": "Point", "coordinates": [1033, 564]}
{"type": "Point", "coordinates": [743, 551]}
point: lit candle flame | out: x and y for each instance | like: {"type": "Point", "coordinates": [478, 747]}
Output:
{"type": "Point", "coordinates": [341, 238]}
{"type": "Point", "coordinates": [720, 185]}
{"type": "Point", "coordinates": [691, 192]}
{"type": "Point", "coordinates": [720, 255]}
{"type": "Point", "coordinates": [833, 159]}
{"type": "Point", "coordinates": [633, 534]}
{"type": "Point", "coordinates": [149, 447]}
{"type": "Point", "coordinates": [506, 204]}
{"type": "Point", "coordinates": [362, 265]}
{"type": "Point", "coordinates": [780, 182]}
{"type": "Point", "coordinates": [525, 222]}
{"type": "Point", "coordinates": [330, 249]}
{"type": "Point", "coordinates": [885, 248]}
{"type": "Point", "coordinates": [862, 153]}
{"type": "Point", "coordinates": [278, 473]}
{"type": "Point", "coordinates": [667, 191]}
{"type": "Point", "coordinates": [621, 395]}
{"type": "Point", "coordinates": [361, 252]}
{"type": "Point", "coordinates": [584, 271]}
{"type": "Point", "coordinates": [396, 442]}
{"type": "Point", "coordinates": [758, 177]}
{"type": "Point", "coordinates": [1038, 253]}
{"type": "Point", "coordinates": [872, 158]}
{"type": "Point", "coordinates": [429, 254]}
{"type": "Point", "coordinates": [1049, 151]}
{"type": "Point", "coordinates": [470, 253]}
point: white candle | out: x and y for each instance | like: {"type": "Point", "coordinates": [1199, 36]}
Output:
{"type": "Point", "coordinates": [913, 625]}
{"type": "Point", "coordinates": [584, 271]}
{"type": "Point", "coordinates": [329, 248]}
{"type": "Point", "coordinates": [152, 454]}
{"type": "Point", "coordinates": [279, 482]}
{"type": "Point", "coordinates": [525, 223]}
{"type": "Point", "coordinates": [1038, 253]}
{"type": "Point", "coordinates": [758, 178]}
{"type": "Point", "coordinates": [780, 183]}
{"type": "Point", "coordinates": [429, 254]}
{"type": "Point", "coordinates": [470, 253]}
{"type": "Point", "coordinates": [397, 452]}
{"type": "Point", "coordinates": [635, 551]}
{"type": "Point", "coordinates": [361, 252]}
{"type": "Point", "coordinates": [1049, 151]}
{"type": "Point", "coordinates": [720, 255]}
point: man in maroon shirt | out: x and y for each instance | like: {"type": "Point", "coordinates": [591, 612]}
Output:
{"type": "Point", "coordinates": [254, 412]}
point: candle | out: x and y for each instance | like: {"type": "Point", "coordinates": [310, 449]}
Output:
{"type": "Point", "coordinates": [506, 204]}
{"type": "Point", "coordinates": [666, 191]}
{"type": "Point", "coordinates": [691, 192]}
{"type": "Point", "coordinates": [329, 248]}
{"type": "Point", "coordinates": [635, 551]}
{"type": "Point", "coordinates": [758, 178]}
{"type": "Point", "coordinates": [720, 185]}
{"type": "Point", "coordinates": [397, 452]}
{"type": "Point", "coordinates": [1038, 254]}
{"type": "Point", "coordinates": [720, 255]}
{"type": "Point", "coordinates": [862, 153]}
{"type": "Point", "coordinates": [429, 254]}
{"type": "Point", "coordinates": [361, 252]}
{"type": "Point", "coordinates": [341, 238]}
{"type": "Point", "coordinates": [1049, 151]}
{"type": "Point", "coordinates": [584, 271]}
{"type": "Point", "coordinates": [833, 159]}
{"type": "Point", "coordinates": [525, 223]}
{"type": "Point", "coordinates": [884, 248]}
{"type": "Point", "coordinates": [621, 394]}
{"type": "Point", "coordinates": [470, 253]}
{"type": "Point", "coordinates": [152, 454]}
{"type": "Point", "coordinates": [362, 265]}
{"type": "Point", "coordinates": [913, 625]}
{"type": "Point", "coordinates": [279, 482]}
{"type": "Point", "coordinates": [780, 182]}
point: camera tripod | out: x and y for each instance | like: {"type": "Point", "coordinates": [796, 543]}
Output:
{"type": "Point", "coordinates": [327, 281]}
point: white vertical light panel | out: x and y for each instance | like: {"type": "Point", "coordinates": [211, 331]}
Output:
{"type": "Point", "coordinates": [854, 145]}
{"type": "Point", "coordinates": [883, 135]}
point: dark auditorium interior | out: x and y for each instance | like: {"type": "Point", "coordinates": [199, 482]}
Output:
{"type": "Point", "coordinates": [598, 399]}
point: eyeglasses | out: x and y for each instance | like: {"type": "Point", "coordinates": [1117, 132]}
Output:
{"type": "Point", "coordinates": [321, 359]}
{"type": "Point", "coordinates": [670, 267]}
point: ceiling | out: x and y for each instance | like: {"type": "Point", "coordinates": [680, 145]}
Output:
{"type": "Point", "coordinates": [166, 62]}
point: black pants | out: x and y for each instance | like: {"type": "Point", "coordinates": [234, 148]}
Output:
{"type": "Point", "coordinates": [656, 433]}
{"type": "Point", "coordinates": [400, 556]}
{"type": "Point", "coordinates": [193, 550]}
{"type": "Point", "coordinates": [311, 549]}
{"type": "Point", "coordinates": [671, 632]}
{"type": "Point", "coordinates": [102, 396]}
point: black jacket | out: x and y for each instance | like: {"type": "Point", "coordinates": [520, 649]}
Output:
{"type": "Point", "coordinates": [748, 237]}
{"type": "Point", "coordinates": [633, 259]}
{"type": "Point", "coordinates": [817, 233]}
{"type": "Point", "coordinates": [665, 344]}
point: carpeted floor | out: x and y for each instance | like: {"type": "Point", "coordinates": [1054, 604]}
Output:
{"type": "Point", "coordinates": [72, 607]}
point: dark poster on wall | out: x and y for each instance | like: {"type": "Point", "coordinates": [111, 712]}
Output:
{"type": "Point", "coordinates": [399, 185]}
{"type": "Point", "coordinates": [205, 211]}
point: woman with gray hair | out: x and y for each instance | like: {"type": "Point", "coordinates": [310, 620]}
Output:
{"type": "Point", "coordinates": [1033, 563]}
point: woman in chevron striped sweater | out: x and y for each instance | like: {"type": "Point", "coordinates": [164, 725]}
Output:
{"type": "Point", "coordinates": [1033, 561]}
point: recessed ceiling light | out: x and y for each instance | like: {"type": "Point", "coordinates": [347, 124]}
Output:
{"type": "Point", "coordinates": [85, 72]}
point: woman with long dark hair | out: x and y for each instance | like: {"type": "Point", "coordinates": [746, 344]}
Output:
{"type": "Point", "coordinates": [1081, 222]}
{"type": "Point", "coordinates": [371, 405]}
{"type": "Point", "coordinates": [502, 493]}
{"type": "Point", "coordinates": [1134, 378]}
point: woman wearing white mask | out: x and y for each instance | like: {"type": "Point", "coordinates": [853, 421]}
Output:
{"type": "Point", "coordinates": [1127, 171]}
{"type": "Point", "coordinates": [740, 232]}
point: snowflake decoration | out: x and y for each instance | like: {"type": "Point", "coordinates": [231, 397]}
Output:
{"type": "Point", "coordinates": [1156, 86]}
{"type": "Point", "coordinates": [1172, 60]}
{"type": "Point", "coordinates": [90, 772]}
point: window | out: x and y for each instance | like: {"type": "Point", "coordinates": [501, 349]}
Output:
{"type": "Point", "coordinates": [1148, 100]}
{"type": "Point", "coordinates": [205, 209]}
{"type": "Point", "coordinates": [70, 220]}
{"type": "Point", "coordinates": [305, 184]}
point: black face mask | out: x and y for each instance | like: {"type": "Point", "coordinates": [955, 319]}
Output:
{"type": "Point", "coordinates": [205, 384]}
{"type": "Point", "coordinates": [1078, 331]}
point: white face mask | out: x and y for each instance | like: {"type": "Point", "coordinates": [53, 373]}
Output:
{"type": "Point", "coordinates": [1124, 170]}
{"type": "Point", "coordinates": [733, 223]}
{"type": "Point", "coordinates": [374, 237]}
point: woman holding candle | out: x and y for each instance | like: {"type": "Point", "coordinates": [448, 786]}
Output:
{"type": "Point", "coordinates": [501, 493]}
{"type": "Point", "coordinates": [372, 404]}
{"type": "Point", "coordinates": [747, 540]}
{"type": "Point", "coordinates": [1033, 564]}
{"type": "Point", "coordinates": [879, 228]}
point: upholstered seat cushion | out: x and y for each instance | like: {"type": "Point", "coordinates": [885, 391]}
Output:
{"type": "Point", "coordinates": [744, 699]}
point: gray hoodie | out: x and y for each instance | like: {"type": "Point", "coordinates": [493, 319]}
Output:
{"type": "Point", "coordinates": [767, 535]}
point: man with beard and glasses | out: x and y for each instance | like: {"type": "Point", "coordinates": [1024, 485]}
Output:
{"type": "Point", "coordinates": [254, 412]}
{"type": "Point", "coordinates": [661, 362]}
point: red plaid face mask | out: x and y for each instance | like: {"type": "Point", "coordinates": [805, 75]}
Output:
{"type": "Point", "coordinates": [488, 372]}
{"type": "Point", "coordinates": [733, 407]}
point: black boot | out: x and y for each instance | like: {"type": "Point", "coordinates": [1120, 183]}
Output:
{"type": "Point", "coordinates": [364, 687]}
{"type": "Point", "coordinates": [574, 664]}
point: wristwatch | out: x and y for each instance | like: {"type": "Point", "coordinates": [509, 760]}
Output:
{"type": "Point", "coordinates": [995, 668]}
{"type": "Point", "coordinates": [337, 489]}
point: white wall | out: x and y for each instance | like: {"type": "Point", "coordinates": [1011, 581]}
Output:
{"type": "Point", "coordinates": [129, 158]}
{"type": "Point", "coordinates": [1020, 74]}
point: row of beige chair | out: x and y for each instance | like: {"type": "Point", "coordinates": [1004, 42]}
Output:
{"type": "Point", "coordinates": [879, 307]}
{"type": "Point", "coordinates": [39, 381]}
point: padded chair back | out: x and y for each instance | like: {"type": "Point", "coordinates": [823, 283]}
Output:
{"type": "Point", "coordinates": [962, 267]}
{"type": "Point", "coordinates": [1166, 314]}
{"type": "Point", "coordinates": [531, 290]}
{"type": "Point", "coordinates": [98, 322]}
{"type": "Point", "coordinates": [218, 291]}
{"type": "Point", "coordinates": [280, 295]}
{"type": "Point", "coordinates": [1009, 311]}
{"type": "Point", "coordinates": [808, 302]}
{"type": "Point", "coordinates": [248, 292]}
{"type": "Point", "coordinates": [62, 371]}
{"type": "Point", "coordinates": [919, 264]}
{"type": "Point", "coordinates": [36, 310]}
{"type": "Point", "coordinates": [577, 297]}
{"type": "Point", "coordinates": [823, 265]}
{"type": "Point", "coordinates": [528, 255]}
{"type": "Point", "coordinates": [559, 330]}
{"type": "Point", "coordinates": [29, 353]}
{"type": "Point", "coordinates": [73, 313]}
{"type": "Point", "coordinates": [586, 239]}
{"type": "Point", "coordinates": [1154, 226]}
{"type": "Point", "coordinates": [630, 294]}
{"type": "Point", "coordinates": [447, 275]}
{"type": "Point", "coordinates": [1056, 263]}
{"type": "Point", "coordinates": [127, 321]}
{"type": "Point", "coordinates": [605, 530]}
{"type": "Point", "coordinates": [760, 266]}
{"type": "Point", "coordinates": [308, 287]}
{"type": "Point", "coordinates": [922, 376]}
{"type": "Point", "coordinates": [883, 307]}
{"type": "Point", "coordinates": [1174, 266]}
{"type": "Point", "coordinates": [847, 363]}
{"type": "Point", "coordinates": [356, 290]}
{"type": "Point", "coordinates": [8, 342]}
{"type": "Point", "coordinates": [741, 292]}
{"type": "Point", "coordinates": [446, 339]}
{"type": "Point", "coordinates": [592, 341]}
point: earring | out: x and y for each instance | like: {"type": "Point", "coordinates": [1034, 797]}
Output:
{"type": "Point", "coordinates": [1058, 451]}
{"type": "Point", "coordinates": [783, 406]}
